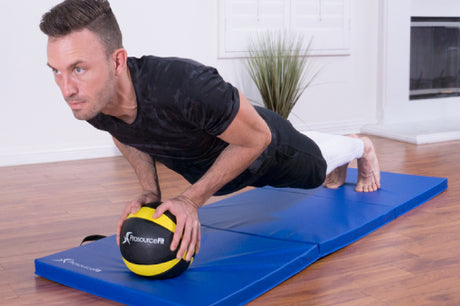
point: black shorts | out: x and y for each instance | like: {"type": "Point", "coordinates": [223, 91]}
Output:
{"type": "Point", "coordinates": [291, 160]}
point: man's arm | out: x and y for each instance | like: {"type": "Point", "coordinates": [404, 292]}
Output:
{"type": "Point", "coordinates": [145, 168]}
{"type": "Point", "coordinates": [248, 135]}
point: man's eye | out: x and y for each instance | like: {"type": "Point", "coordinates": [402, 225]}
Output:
{"type": "Point", "coordinates": [55, 71]}
{"type": "Point", "coordinates": [79, 70]}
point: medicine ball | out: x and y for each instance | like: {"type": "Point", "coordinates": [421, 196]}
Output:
{"type": "Point", "coordinates": [145, 242]}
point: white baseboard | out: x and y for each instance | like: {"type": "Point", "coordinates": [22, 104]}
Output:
{"type": "Point", "coordinates": [38, 156]}
{"type": "Point", "coordinates": [334, 127]}
{"type": "Point", "coordinates": [418, 132]}
{"type": "Point", "coordinates": [46, 155]}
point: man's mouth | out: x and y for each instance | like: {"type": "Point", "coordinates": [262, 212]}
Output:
{"type": "Point", "coordinates": [76, 105]}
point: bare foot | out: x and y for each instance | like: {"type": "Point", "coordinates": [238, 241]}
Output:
{"type": "Point", "coordinates": [368, 169]}
{"type": "Point", "coordinates": [337, 177]}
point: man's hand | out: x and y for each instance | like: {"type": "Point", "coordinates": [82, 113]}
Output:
{"type": "Point", "coordinates": [133, 207]}
{"type": "Point", "coordinates": [187, 228]}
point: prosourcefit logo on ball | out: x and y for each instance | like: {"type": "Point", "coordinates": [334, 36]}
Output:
{"type": "Point", "coordinates": [129, 237]}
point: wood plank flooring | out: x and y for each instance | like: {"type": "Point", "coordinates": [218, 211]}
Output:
{"type": "Point", "coordinates": [414, 260]}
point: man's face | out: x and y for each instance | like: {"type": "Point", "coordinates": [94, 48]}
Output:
{"type": "Point", "coordinates": [83, 72]}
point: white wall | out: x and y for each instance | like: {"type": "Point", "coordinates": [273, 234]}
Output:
{"type": "Point", "coordinates": [414, 121]}
{"type": "Point", "coordinates": [36, 125]}
{"type": "Point", "coordinates": [397, 108]}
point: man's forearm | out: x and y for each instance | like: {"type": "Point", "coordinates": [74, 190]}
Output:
{"type": "Point", "coordinates": [143, 165]}
{"type": "Point", "coordinates": [230, 163]}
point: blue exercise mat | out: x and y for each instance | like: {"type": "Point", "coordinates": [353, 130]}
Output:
{"type": "Point", "coordinates": [329, 218]}
{"type": "Point", "coordinates": [251, 242]}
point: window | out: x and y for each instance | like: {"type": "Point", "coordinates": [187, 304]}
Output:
{"type": "Point", "coordinates": [327, 22]}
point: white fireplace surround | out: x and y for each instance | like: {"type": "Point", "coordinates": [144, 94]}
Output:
{"type": "Point", "coordinates": [416, 121]}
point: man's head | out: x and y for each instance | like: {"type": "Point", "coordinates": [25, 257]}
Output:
{"type": "Point", "coordinates": [76, 15]}
{"type": "Point", "coordinates": [85, 54]}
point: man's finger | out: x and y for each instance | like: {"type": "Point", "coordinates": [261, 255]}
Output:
{"type": "Point", "coordinates": [160, 210]}
{"type": "Point", "coordinates": [177, 235]}
{"type": "Point", "coordinates": [187, 239]}
{"type": "Point", "coordinates": [119, 225]}
{"type": "Point", "coordinates": [194, 242]}
{"type": "Point", "coordinates": [198, 240]}
{"type": "Point", "coordinates": [131, 208]}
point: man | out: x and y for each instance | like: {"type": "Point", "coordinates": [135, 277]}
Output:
{"type": "Point", "coordinates": [182, 114]}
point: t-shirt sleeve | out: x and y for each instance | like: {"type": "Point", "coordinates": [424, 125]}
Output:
{"type": "Point", "coordinates": [212, 103]}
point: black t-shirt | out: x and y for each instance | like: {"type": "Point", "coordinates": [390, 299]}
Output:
{"type": "Point", "coordinates": [182, 107]}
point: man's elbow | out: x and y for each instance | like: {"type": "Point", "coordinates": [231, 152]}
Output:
{"type": "Point", "coordinates": [266, 138]}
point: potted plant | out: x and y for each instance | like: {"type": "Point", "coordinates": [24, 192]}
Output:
{"type": "Point", "coordinates": [281, 68]}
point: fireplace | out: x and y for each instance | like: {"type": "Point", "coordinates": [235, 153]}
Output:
{"type": "Point", "coordinates": [418, 104]}
{"type": "Point", "coordinates": [434, 57]}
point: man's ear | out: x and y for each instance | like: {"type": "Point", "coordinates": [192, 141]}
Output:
{"type": "Point", "coordinates": [119, 58]}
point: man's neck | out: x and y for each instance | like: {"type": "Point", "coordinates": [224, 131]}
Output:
{"type": "Point", "coordinates": [124, 106]}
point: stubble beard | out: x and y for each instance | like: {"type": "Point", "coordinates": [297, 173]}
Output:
{"type": "Point", "coordinates": [94, 108]}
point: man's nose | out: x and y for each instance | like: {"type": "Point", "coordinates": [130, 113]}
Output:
{"type": "Point", "coordinates": [68, 87]}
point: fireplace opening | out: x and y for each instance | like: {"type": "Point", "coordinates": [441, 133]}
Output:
{"type": "Point", "coordinates": [434, 57]}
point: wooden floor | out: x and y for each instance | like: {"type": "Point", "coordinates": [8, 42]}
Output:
{"type": "Point", "coordinates": [414, 260]}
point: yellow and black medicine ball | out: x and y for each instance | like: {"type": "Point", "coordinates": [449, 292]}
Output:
{"type": "Point", "coordinates": [145, 244]}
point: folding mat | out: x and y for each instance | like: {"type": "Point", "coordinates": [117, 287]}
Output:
{"type": "Point", "coordinates": [251, 242]}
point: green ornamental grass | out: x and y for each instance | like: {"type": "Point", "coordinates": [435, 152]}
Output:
{"type": "Point", "coordinates": [281, 69]}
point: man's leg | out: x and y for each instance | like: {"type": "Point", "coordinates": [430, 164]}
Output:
{"type": "Point", "coordinates": [338, 151]}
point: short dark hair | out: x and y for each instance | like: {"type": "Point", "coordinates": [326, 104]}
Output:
{"type": "Point", "coordinates": [77, 15]}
